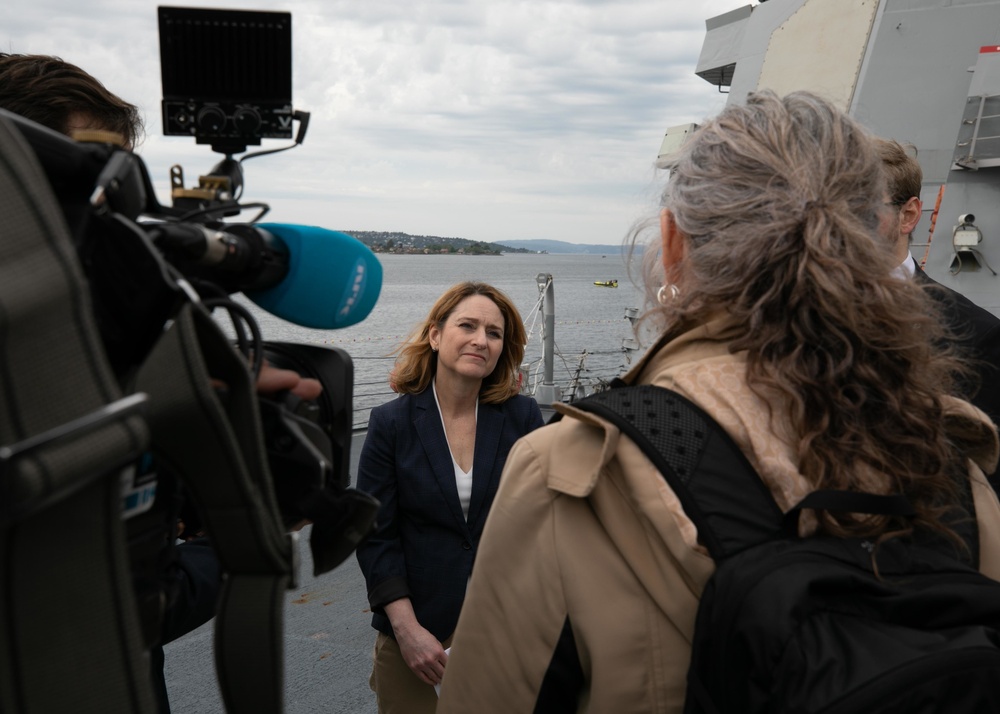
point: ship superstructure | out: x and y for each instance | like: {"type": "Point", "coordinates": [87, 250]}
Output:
{"type": "Point", "coordinates": [924, 72]}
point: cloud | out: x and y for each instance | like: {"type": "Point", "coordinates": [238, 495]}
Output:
{"type": "Point", "coordinates": [488, 120]}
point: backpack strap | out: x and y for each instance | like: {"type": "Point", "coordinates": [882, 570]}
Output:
{"type": "Point", "coordinates": [718, 488]}
{"type": "Point", "coordinates": [69, 632]}
{"type": "Point", "coordinates": [895, 504]}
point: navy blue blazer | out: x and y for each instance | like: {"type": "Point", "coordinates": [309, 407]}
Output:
{"type": "Point", "coordinates": [977, 337]}
{"type": "Point", "coordinates": [422, 546]}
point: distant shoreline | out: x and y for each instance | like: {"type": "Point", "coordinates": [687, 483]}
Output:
{"type": "Point", "coordinates": [456, 253]}
{"type": "Point", "coordinates": [403, 243]}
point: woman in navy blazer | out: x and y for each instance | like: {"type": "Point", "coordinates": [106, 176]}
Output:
{"type": "Point", "coordinates": [433, 458]}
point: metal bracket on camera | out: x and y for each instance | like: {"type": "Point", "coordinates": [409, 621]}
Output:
{"type": "Point", "coordinates": [210, 188]}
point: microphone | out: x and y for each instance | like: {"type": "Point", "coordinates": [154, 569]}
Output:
{"type": "Point", "coordinates": [333, 279]}
{"type": "Point", "coordinates": [308, 275]}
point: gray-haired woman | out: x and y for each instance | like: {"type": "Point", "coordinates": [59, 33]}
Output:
{"type": "Point", "coordinates": [780, 318]}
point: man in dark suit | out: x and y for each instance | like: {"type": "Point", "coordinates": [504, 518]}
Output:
{"type": "Point", "coordinates": [976, 331]}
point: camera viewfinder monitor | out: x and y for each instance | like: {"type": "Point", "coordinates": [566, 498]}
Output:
{"type": "Point", "coordinates": [227, 75]}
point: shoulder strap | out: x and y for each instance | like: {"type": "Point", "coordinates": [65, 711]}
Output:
{"type": "Point", "coordinates": [69, 632]}
{"type": "Point", "coordinates": [215, 446]}
{"type": "Point", "coordinates": [718, 488]}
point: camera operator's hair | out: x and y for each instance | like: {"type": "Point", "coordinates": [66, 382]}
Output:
{"type": "Point", "coordinates": [902, 170]}
{"type": "Point", "coordinates": [49, 91]}
{"type": "Point", "coordinates": [416, 362]}
{"type": "Point", "coordinates": [778, 202]}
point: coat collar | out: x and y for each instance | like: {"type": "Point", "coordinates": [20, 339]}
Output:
{"type": "Point", "coordinates": [715, 335]}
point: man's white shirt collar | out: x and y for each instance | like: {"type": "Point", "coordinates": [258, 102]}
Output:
{"type": "Point", "coordinates": [907, 269]}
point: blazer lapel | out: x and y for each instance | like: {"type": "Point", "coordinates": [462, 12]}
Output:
{"type": "Point", "coordinates": [427, 422]}
{"type": "Point", "coordinates": [489, 425]}
{"type": "Point", "coordinates": [919, 274]}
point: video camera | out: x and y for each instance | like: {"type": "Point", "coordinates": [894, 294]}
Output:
{"type": "Point", "coordinates": [227, 83]}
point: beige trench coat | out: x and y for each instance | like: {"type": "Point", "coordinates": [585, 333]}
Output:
{"type": "Point", "coordinates": [584, 525]}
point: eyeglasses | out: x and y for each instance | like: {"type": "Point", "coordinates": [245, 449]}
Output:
{"type": "Point", "coordinates": [897, 204]}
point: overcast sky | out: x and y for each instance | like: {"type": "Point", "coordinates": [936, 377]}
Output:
{"type": "Point", "coordinates": [484, 119]}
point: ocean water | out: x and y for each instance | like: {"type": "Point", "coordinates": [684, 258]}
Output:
{"type": "Point", "coordinates": [588, 318]}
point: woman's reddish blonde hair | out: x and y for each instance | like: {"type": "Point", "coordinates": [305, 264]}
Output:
{"type": "Point", "coordinates": [416, 361]}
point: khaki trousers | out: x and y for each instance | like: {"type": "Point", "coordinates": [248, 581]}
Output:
{"type": "Point", "coordinates": [397, 689]}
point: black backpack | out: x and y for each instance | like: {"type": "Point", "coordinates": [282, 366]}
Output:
{"type": "Point", "coordinates": [789, 624]}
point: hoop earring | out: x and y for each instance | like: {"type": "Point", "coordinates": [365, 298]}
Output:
{"type": "Point", "coordinates": [667, 294]}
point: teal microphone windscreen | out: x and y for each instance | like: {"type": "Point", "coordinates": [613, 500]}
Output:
{"type": "Point", "coordinates": [333, 279]}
